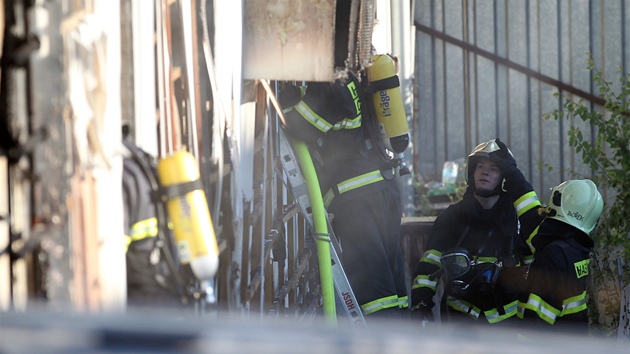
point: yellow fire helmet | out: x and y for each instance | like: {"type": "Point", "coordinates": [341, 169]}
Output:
{"type": "Point", "coordinates": [577, 203]}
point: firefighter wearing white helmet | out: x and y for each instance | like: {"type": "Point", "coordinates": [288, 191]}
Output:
{"type": "Point", "coordinates": [554, 296]}
{"type": "Point", "coordinates": [577, 203]}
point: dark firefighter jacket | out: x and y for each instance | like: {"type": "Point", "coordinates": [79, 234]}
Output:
{"type": "Point", "coordinates": [328, 118]}
{"type": "Point", "coordinates": [557, 278]}
{"type": "Point", "coordinates": [489, 235]}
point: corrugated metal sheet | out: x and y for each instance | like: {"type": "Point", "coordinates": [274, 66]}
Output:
{"type": "Point", "coordinates": [487, 69]}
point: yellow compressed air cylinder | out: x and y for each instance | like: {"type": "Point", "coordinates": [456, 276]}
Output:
{"type": "Point", "coordinates": [189, 215]}
{"type": "Point", "coordinates": [388, 103]}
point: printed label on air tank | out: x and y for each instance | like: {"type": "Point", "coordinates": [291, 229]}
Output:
{"type": "Point", "coordinates": [183, 251]}
{"type": "Point", "coordinates": [384, 104]}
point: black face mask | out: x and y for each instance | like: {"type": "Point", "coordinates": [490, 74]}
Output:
{"type": "Point", "coordinates": [466, 277]}
{"type": "Point", "coordinates": [480, 280]}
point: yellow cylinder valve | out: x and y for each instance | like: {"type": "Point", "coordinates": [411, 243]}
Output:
{"type": "Point", "coordinates": [188, 211]}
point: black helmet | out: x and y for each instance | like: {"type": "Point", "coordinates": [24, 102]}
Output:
{"type": "Point", "coordinates": [482, 150]}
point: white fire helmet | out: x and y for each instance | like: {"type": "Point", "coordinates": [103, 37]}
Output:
{"type": "Point", "coordinates": [577, 203]}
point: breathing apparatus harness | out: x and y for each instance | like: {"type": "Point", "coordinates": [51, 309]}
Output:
{"type": "Point", "coordinates": [386, 117]}
{"type": "Point", "coordinates": [372, 145]}
{"type": "Point", "coordinates": [183, 222]}
{"type": "Point", "coordinates": [162, 241]}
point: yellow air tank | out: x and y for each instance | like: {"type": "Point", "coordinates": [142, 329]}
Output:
{"type": "Point", "coordinates": [189, 214]}
{"type": "Point", "coordinates": [388, 104]}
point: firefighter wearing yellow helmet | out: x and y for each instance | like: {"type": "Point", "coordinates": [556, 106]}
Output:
{"type": "Point", "coordinates": [559, 237]}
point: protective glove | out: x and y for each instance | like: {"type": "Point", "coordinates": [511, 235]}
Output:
{"type": "Point", "coordinates": [423, 312]}
{"type": "Point", "coordinates": [423, 309]}
{"type": "Point", "coordinates": [504, 159]}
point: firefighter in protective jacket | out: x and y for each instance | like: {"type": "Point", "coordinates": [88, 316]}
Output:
{"type": "Point", "coordinates": [558, 235]}
{"type": "Point", "coordinates": [358, 187]}
{"type": "Point", "coordinates": [474, 248]}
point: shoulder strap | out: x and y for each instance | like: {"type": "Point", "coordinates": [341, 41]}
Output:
{"type": "Point", "coordinates": [371, 131]}
{"type": "Point", "coordinates": [461, 237]}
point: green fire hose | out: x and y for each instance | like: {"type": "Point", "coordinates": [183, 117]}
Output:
{"type": "Point", "coordinates": [320, 222]}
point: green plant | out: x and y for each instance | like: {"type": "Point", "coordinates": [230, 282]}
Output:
{"type": "Point", "coordinates": [421, 199]}
{"type": "Point", "coordinates": [425, 194]}
{"type": "Point", "coordinates": [608, 156]}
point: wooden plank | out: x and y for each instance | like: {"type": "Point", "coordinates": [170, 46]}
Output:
{"type": "Point", "coordinates": [289, 39]}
